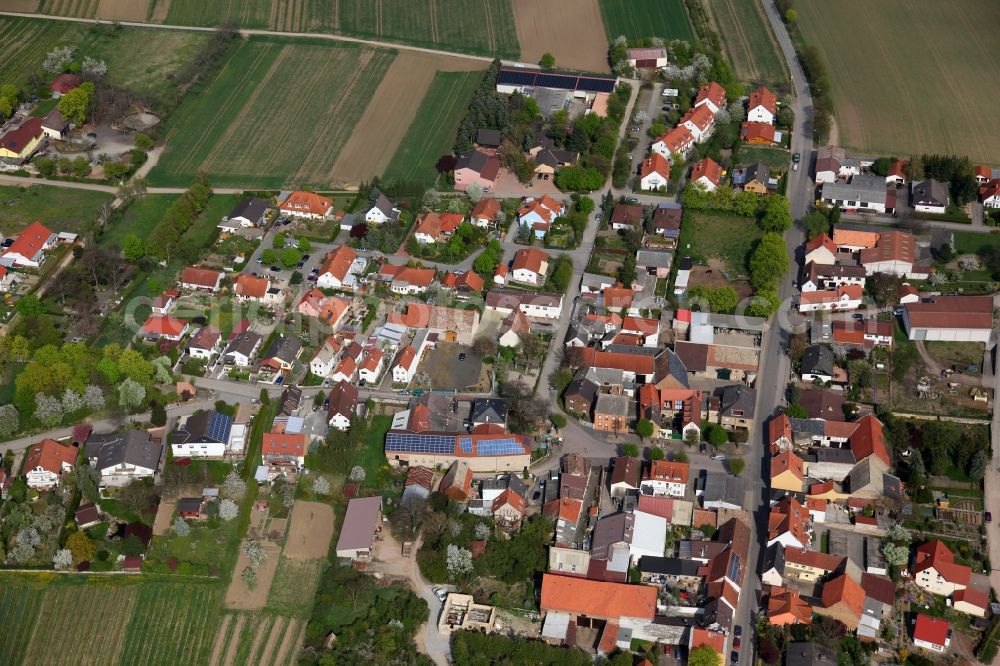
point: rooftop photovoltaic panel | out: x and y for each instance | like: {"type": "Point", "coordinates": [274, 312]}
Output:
{"type": "Point", "coordinates": [418, 443]}
{"type": "Point", "coordinates": [466, 444]}
{"type": "Point", "coordinates": [734, 568]}
{"type": "Point", "coordinates": [499, 447]}
{"type": "Point", "coordinates": [219, 426]}
{"type": "Point", "coordinates": [522, 77]}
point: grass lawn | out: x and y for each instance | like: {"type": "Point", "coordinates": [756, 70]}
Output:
{"type": "Point", "coordinates": [58, 208]}
{"type": "Point", "coordinates": [142, 60]}
{"type": "Point", "coordinates": [646, 18]}
{"type": "Point", "coordinates": [432, 132]}
{"type": "Point", "coordinates": [772, 157]}
{"type": "Point", "coordinates": [139, 219]}
{"type": "Point", "coordinates": [883, 108]}
{"type": "Point", "coordinates": [748, 41]}
{"type": "Point", "coordinates": [727, 237]}
{"type": "Point", "coordinates": [956, 353]}
{"type": "Point", "coordinates": [276, 115]}
{"type": "Point", "coordinates": [969, 242]}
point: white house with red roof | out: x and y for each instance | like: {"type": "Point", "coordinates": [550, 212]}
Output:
{"type": "Point", "coordinates": [46, 462]}
{"type": "Point", "coordinates": [404, 366]}
{"type": "Point", "coordinates": [371, 365]}
{"type": "Point", "coordinates": [204, 343]}
{"type": "Point", "coordinates": [677, 140]}
{"type": "Point", "coordinates": [935, 569]}
{"type": "Point", "coordinates": [436, 227]}
{"type": "Point", "coordinates": [340, 269]}
{"type": "Point", "coordinates": [543, 210]}
{"type": "Point", "coordinates": [201, 279]}
{"type": "Point", "coordinates": [846, 297]}
{"type": "Point", "coordinates": [284, 450]}
{"type": "Point", "coordinates": [931, 633]}
{"type": "Point", "coordinates": [711, 95]}
{"type": "Point", "coordinates": [989, 194]}
{"type": "Point", "coordinates": [762, 106]}
{"type": "Point", "coordinates": [654, 173]}
{"type": "Point", "coordinates": [307, 205]}
{"type": "Point", "coordinates": [28, 249]}
{"type": "Point", "coordinates": [530, 266]}
{"type": "Point", "coordinates": [164, 327]}
{"type": "Point", "coordinates": [821, 250]}
{"type": "Point", "coordinates": [707, 173]}
{"type": "Point", "coordinates": [700, 121]}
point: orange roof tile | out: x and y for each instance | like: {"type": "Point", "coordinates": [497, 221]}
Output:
{"type": "Point", "coordinates": [202, 277]}
{"type": "Point", "coordinates": [823, 240]}
{"type": "Point", "coordinates": [530, 259]}
{"type": "Point", "coordinates": [868, 439]}
{"type": "Point", "coordinates": [677, 139]}
{"type": "Point", "coordinates": [787, 607]}
{"type": "Point", "coordinates": [932, 630]}
{"type": "Point", "coordinates": [249, 286]}
{"type": "Point", "coordinates": [307, 202]}
{"type": "Point", "coordinates": [655, 163]}
{"type": "Point", "coordinates": [765, 98]}
{"type": "Point", "coordinates": [597, 599]}
{"type": "Point", "coordinates": [292, 444]}
{"type": "Point", "coordinates": [936, 554]}
{"type": "Point", "coordinates": [844, 590]}
{"type": "Point", "coordinates": [163, 325]}
{"type": "Point", "coordinates": [787, 462]}
{"type": "Point", "coordinates": [486, 209]}
{"type": "Point", "coordinates": [712, 92]}
{"type": "Point", "coordinates": [30, 240]}
{"type": "Point", "coordinates": [667, 470]}
{"type": "Point", "coordinates": [852, 238]}
{"type": "Point", "coordinates": [339, 261]}
{"type": "Point", "coordinates": [707, 168]}
{"type": "Point", "coordinates": [50, 455]}
{"type": "Point", "coordinates": [437, 225]}
{"type": "Point", "coordinates": [753, 131]}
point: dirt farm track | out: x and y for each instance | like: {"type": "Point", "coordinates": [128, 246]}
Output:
{"type": "Point", "coordinates": [913, 79]}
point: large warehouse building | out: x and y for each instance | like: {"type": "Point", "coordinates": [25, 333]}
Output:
{"type": "Point", "coordinates": [950, 318]}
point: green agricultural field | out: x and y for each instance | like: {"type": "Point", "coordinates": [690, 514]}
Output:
{"type": "Point", "coordinates": [58, 208]}
{"type": "Point", "coordinates": [75, 8]}
{"type": "Point", "coordinates": [646, 18]}
{"type": "Point", "coordinates": [432, 132]}
{"type": "Point", "coordinates": [108, 620]}
{"type": "Point", "coordinates": [258, 638]}
{"type": "Point", "coordinates": [277, 115]}
{"type": "Point", "coordinates": [726, 237]}
{"type": "Point", "coordinates": [142, 60]}
{"type": "Point", "coordinates": [750, 45]}
{"type": "Point", "coordinates": [912, 79]}
{"type": "Point", "coordinates": [485, 27]}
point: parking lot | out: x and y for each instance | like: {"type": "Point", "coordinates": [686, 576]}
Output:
{"type": "Point", "coordinates": [311, 260]}
{"type": "Point", "coordinates": [446, 368]}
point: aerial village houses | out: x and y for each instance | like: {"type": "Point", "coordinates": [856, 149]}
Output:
{"type": "Point", "coordinates": [340, 269]}
{"type": "Point", "coordinates": [706, 173]}
{"type": "Point", "coordinates": [762, 106]}
{"type": "Point", "coordinates": [654, 173]}
{"type": "Point", "coordinates": [307, 205]}
{"type": "Point", "coordinates": [201, 279]}
{"type": "Point", "coordinates": [476, 167]}
{"type": "Point", "coordinates": [45, 463]}
{"type": "Point", "coordinates": [381, 211]}
{"type": "Point", "coordinates": [530, 266]}
{"type": "Point", "coordinates": [19, 144]}
{"type": "Point", "coordinates": [28, 249]}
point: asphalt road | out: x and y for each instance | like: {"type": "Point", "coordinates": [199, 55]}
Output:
{"type": "Point", "coordinates": [774, 367]}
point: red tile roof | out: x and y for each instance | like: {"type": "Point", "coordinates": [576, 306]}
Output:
{"type": "Point", "coordinates": [530, 259]}
{"type": "Point", "coordinates": [854, 238]}
{"type": "Point", "coordinates": [853, 292]}
{"type": "Point", "coordinates": [988, 190]}
{"type": "Point", "coordinates": [510, 497]}
{"type": "Point", "coordinates": [307, 202]}
{"type": "Point", "coordinates": [597, 599]}
{"type": "Point", "coordinates": [486, 209]}
{"type": "Point", "coordinates": [712, 92]}
{"type": "Point", "coordinates": [952, 312]}
{"type": "Point", "coordinates": [468, 280]}
{"type": "Point", "coordinates": [545, 206]}
{"type": "Point", "coordinates": [563, 508]}
{"type": "Point", "coordinates": [868, 439]}
{"type": "Point", "coordinates": [822, 241]}
{"type": "Point", "coordinates": [753, 131]}
{"type": "Point", "coordinates": [844, 590]}
{"type": "Point", "coordinates": [972, 596]}
{"type": "Point", "coordinates": [677, 139]}
{"type": "Point", "coordinates": [655, 163]}
{"type": "Point", "coordinates": [667, 470]}
{"type": "Point", "coordinates": [163, 326]}
{"type": "Point", "coordinates": [813, 559]}
{"type": "Point", "coordinates": [789, 516]}
{"type": "Point", "coordinates": [879, 588]}
{"type": "Point", "coordinates": [787, 607]}
{"type": "Point", "coordinates": [63, 83]}
{"type": "Point", "coordinates": [708, 168]}
{"type": "Point", "coordinates": [289, 444]}
{"type": "Point", "coordinates": [778, 427]}
{"type": "Point", "coordinates": [18, 139]}
{"type": "Point", "coordinates": [701, 117]}
{"type": "Point", "coordinates": [419, 476]}
{"type": "Point", "coordinates": [713, 639]}
{"type": "Point", "coordinates": [339, 261]}
{"type": "Point", "coordinates": [787, 461]}
{"type": "Point", "coordinates": [438, 225]}
{"type": "Point", "coordinates": [30, 241]}
{"type": "Point", "coordinates": [50, 455]}
{"type": "Point", "coordinates": [765, 98]}
{"type": "Point", "coordinates": [932, 630]}
{"type": "Point", "coordinates": [249, 286]}
{"type": "Point", "coordinates": [201, 277]}
{"type": "Point", "coordinates": [636, 363]}
{"type": "Point", "coordinates": [937, 555]}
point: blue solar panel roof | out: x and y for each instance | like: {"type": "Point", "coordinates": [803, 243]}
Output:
{"type": "Point", "coordinates": [466, 444]}
{"type": "Point", "coordinates": [219, 426]}
{"type": "Point", "coordinates": [419, 443]}
{"type": "Point", "coordinates": [527, 77]}
{"type": "Point", "coordinates": [734, 568]}
{"type": "Point", "coordinates": [499, 447]}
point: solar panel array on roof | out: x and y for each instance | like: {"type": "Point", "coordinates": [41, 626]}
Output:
{"type": "Point", "coordinates": [521, 77]}
{"type": "Point", "coordinates": [419, 443]}
{"type": "Point", "coordinates": [499, 447]}
{"type": "Point", "coordinates": [466, 444]}
{"type": "Point", "coordinates": [734, 568]}
{"type": "Point", "coordinates": [219, 426]}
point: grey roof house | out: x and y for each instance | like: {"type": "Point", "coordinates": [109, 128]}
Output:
{"type": "Point", "coordinates": [722, 491]}
{"type": "Point", "coordinates": [817, 361]}
{"type": "Point", "coordinates": [930, 194]}
{"type": "Point", "coordinates": [362, 522]}
{"type": "Point", "coordinates": [125, 456]}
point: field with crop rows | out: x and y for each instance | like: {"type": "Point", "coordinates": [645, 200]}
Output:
{"type": "Point", "coordinates": [75, 8]}
{"type": "Point", "coordinates": [748, 41]}
{"type": "Point", "coordinates": [432, 132]}
{"type": "Point", "coordinates": [294, 586]}
{"type": "Point", "coordinates": [257, 638]}
{"type": "Point", "coordinates": [77, 620]}
{"type": "Point", "coordinates": [25, 43]}
{"type": "Point", "coordinates": [913, 78]}
{"type": "Point", "coordinates": [277, 115]}
{"type": "Point", "coordinates": [647, 18]}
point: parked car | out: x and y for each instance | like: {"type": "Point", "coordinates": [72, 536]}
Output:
{"type": "Point", "coordinates": [631, 200]}
{"type": "Point", "coordinates": [988, 517]}
{"type": "Point", "coordinates": [305, 257]}
{"type": "Point", "coordinates": [718, 456]}
{"type": "Point", "coordinates": [859, 316]}
{"type": "Point", "coordinates": [703, 448]}
{"type": "Point", "coordinates": [279, 381]}
{"type": "Point", "coordinates": [275, 269]}
{"type": "Point", "coordinates": [403, 392]}
{"type": "Point", "coordinates": [738, 631]}
{"type": "Point", "coordinates": [796, 157]}
{"type": "Point", "coordinates": [440, 594]}
{"type": "Point", "coordinates": [734, 658]}
{"type": "Point", "coordinates": [462, 356]}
